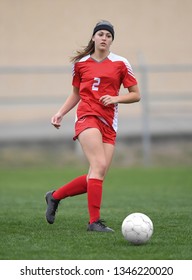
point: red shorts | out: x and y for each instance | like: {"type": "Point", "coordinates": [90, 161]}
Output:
{"type": "Point", "coordinates": [108, 134]}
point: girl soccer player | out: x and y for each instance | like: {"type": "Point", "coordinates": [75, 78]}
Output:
{"type": "Point", "coordinates": [97, 77]}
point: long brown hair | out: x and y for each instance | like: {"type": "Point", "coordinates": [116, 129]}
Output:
{"type": "Point", "coordinates": [90, 48]}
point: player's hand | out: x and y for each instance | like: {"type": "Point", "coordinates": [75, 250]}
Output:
{"type": "Point", "coordinates": [56, 120]}
{"type": "Point", "coordinates": [108, 99]}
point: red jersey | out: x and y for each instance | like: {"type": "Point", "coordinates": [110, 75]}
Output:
{"type": "Point", "coordinates": [95, 79]}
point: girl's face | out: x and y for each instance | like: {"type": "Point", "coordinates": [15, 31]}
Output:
{"type": "Point", "coordinates": [103, 40]}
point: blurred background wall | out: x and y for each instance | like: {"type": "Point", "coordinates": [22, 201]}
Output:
{"type": "Point", "coordinates": [37, 39]}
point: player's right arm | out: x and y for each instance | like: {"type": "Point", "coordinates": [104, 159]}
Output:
{"type": "Point", "coordinates": [69, 104]}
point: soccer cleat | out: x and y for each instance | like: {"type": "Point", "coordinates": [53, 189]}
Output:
{"type": "Point", "coordinates": [99, 226]}
{"type": "Point", "coordinates": [52, 205]}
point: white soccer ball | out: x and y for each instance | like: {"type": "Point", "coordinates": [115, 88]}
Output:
{"type": "Point", "coordinates": [137, 228]}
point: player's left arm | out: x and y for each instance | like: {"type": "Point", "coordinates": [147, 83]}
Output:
{"type": "Point", "coordinates": [132, 96]}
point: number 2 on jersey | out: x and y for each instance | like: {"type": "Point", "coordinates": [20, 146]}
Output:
{"type": "Point", "coordinates": [96, 84]}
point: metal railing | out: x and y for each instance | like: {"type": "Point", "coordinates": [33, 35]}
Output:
{"type": "Point", "coordinates": [150, 118]}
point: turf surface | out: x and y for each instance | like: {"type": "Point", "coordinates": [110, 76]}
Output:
{"type": "Point", "coordinates": [163, 194]}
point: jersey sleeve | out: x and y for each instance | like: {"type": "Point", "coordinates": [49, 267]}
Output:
{"type": "Point", "coordinates": [76, 76]}
{"type": "Point", "coordinates": [128, 77]}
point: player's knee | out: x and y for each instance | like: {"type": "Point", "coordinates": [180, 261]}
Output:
{"type": "Point", "coordinates": [98, 170]}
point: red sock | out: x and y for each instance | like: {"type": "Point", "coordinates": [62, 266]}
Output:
{"type": "Point", "coordinates": [94, 193]}
{"type": "Point", "coordinates": [75, 187]}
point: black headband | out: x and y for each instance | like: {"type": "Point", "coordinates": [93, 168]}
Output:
{"type": "Point", "coordinates": [104, 27]}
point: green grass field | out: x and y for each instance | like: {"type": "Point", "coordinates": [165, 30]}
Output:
{"type": "Point", "coordinates": [163, 194]}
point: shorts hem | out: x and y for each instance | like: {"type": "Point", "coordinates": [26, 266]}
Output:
{"type": "Point", "coordinates": [107, 132]}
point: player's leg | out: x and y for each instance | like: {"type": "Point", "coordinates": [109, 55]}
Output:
{"type": "Point", "coordinates": [100, 226]}
{"type": "Point", "coordinates": [75, 187]}
{"type": "Point", "coordinates": [95, 151]}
